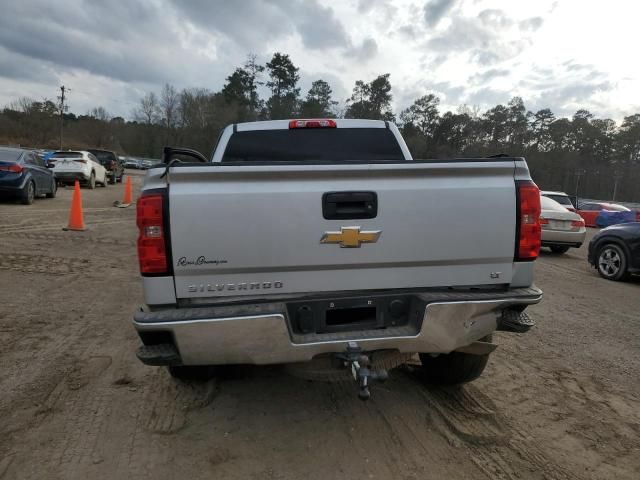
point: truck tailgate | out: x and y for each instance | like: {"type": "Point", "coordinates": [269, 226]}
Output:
{"type": "Point", "coordinates": [256, 230]}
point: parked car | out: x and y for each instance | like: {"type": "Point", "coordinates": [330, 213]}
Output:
{"type": "Point", "coordinates": [132, 163]}
{"type": "Point", "coordinates": [111, 162]}
{"type": "Point", "coordinates": [83, 166]}
{"type": "Point", "coordinates": [337, 267]}
{"type": "Point", "coordinates": [560, 197]}
{"type": "Point", "coordinates": [589, 211]}
{"type": "Point", "coordinates": [24, 175]}
{"type": "Point", "coordinates": [44, 155]}
{"type": "Point", "coordinates": [561, 228]}
{"type": "Point", "coordinates": [615, 251]}
{"type": "Point", "coordinates": [146, 164]}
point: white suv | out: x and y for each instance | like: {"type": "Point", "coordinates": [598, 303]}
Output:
{"type": "Point", "coordinates": [78, 165]}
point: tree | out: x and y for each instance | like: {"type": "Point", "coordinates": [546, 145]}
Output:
{"type": "Point", "coordinates": [380, 97]}
{"type": "Point", "coordinates": [254, 72]}
{"type": "Point", "coordinates": [23, 105]}
{"type": "Point", "coordinates": [236, 90]}
{"type": "Point", "coordinates": [371, 100]}
{"type": "Point", "coordinates": [169, 102]}
{"type": "Point", "coordinates": [422, 116]}
{"type": "Point", "coordinates": [628, 140]}
{"type": "Point", "coordinates": [518, 125]}
{"type": "Point", "coordinates": [541, 130]}
{"type": "Point", "coordinates": [193, 108]}
{"type": "Point", "coordinates": [283, 81]}
{"type": "Point", "coordinates": [241, 88]}
{"type": "Point", "coordinates": [99, 113]}
{"type": "Point", "coordinates": [149, 110]}
{"type": "Point", "coordinates": [318, 103]}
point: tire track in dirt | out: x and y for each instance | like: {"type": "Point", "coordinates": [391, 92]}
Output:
{"type": "Point", "coordinates": [58, 226]}
{"type": "Point", "coordinates": [168, 402]}
{"type": "Point", "coordinates": [43, 264]}
{"type": "Point", "coordinates": [497, 447]}
{"type": "Point", "coordinates": [64, 237]}
{"type": "Point", "coordinates": [28, 213]}
{"type": "Point", "coordinates": [588, 422]}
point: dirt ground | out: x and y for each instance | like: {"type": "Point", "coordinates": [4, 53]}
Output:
{"type": "Point", "coordinates": [561, 402]}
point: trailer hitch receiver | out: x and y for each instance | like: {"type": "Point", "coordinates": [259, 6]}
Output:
{"type": "Point", "coordinates": [359, 364]}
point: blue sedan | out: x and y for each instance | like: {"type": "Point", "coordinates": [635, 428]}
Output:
{"type": "Point", "coordinates": [24, 175]}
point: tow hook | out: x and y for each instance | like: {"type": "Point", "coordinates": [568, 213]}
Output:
{"type": "Point", "coordinates": [359, 363]}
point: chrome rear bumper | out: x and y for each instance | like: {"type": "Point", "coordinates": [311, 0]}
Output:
{"type": "Point", "coordinates": [261, 333]}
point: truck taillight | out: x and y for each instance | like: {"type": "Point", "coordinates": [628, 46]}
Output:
{"type": "Point", "coordinates": [152, 252]}
{"type": "Point", "coordinates": [528, 228]}
{"type": "Point", "coordinates": [317, 123]}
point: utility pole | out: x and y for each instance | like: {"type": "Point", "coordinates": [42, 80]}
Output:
{"type": "Point", "coordinates": [617, 176]}
{"type": "Point", "coordinates": [578, 173]}
{"type": "Point", "coordinates": [63, 108]}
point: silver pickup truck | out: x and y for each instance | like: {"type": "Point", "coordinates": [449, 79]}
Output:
{"type": "Point", "coordinates": [324, 241]}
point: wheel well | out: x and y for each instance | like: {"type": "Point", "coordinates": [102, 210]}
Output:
{"type": "Point", "coordinates": [614, 240]}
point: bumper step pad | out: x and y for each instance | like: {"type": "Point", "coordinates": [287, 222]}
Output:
{"type": "Point", "coordinates": [161, 355]}
{"type": "Point", "coordinates": [514, 321]}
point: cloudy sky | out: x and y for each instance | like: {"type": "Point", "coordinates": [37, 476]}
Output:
{"type": "Point", "coordinates": [561, 54]}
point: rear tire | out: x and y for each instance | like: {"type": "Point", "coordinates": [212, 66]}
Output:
{"type": "Point", "coordinates": [612, 262]}
{"type": "Point", "coordinates": [28, 194]}
{"type": "Point", "coordinates": [559, 249]}
{"type": "Point", "coordinates": [199, 373]}
{"type": "Point", "coordinates": [453, 368]}
{"type": "Point", "coordinates": [91, 184]}
{"type": "Point", "coordinates": [54, 190]}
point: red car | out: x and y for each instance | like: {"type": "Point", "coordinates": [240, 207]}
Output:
{"type": "Point", "coordinates": [590, 211]}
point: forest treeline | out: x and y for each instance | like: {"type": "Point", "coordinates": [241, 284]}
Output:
{"type": "Point", "coordinates": [599, 153]}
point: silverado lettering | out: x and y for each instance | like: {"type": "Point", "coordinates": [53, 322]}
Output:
{"type": "Point", "coordinates": [219, 287]}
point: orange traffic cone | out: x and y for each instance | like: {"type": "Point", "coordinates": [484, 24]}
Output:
{"type": "Point", "coordinates": [128, 196]}
{"type": "Point", "coordinates": [76, 217]}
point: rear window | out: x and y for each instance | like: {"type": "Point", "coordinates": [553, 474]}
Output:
{"type": "Point", "coordinates": [615, 208]}
{"type": "Point", "coordinates": [67, 155]}
{"type": "Point", "coordinates": [548, 203]}
{"type": "Point", "coordinates": [103, 156]}
{"type": "Point", "coordinates": [313, 144]}
{"type": "Point", "coordinates": [590, 207]}
{"type": "Point", "coordinates": [10, 155]}
{"type": "Point", "coordinates": [561, 199]}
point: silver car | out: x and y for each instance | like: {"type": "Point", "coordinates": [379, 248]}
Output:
{"type": "Point", "coordinates": [561, 228]}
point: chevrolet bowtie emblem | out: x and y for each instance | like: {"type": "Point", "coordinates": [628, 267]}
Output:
{"type": "Point", "coordinates": [351, 237]}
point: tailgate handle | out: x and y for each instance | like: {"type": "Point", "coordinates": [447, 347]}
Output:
{"type": "Point", "coordinates": [349, 205]}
